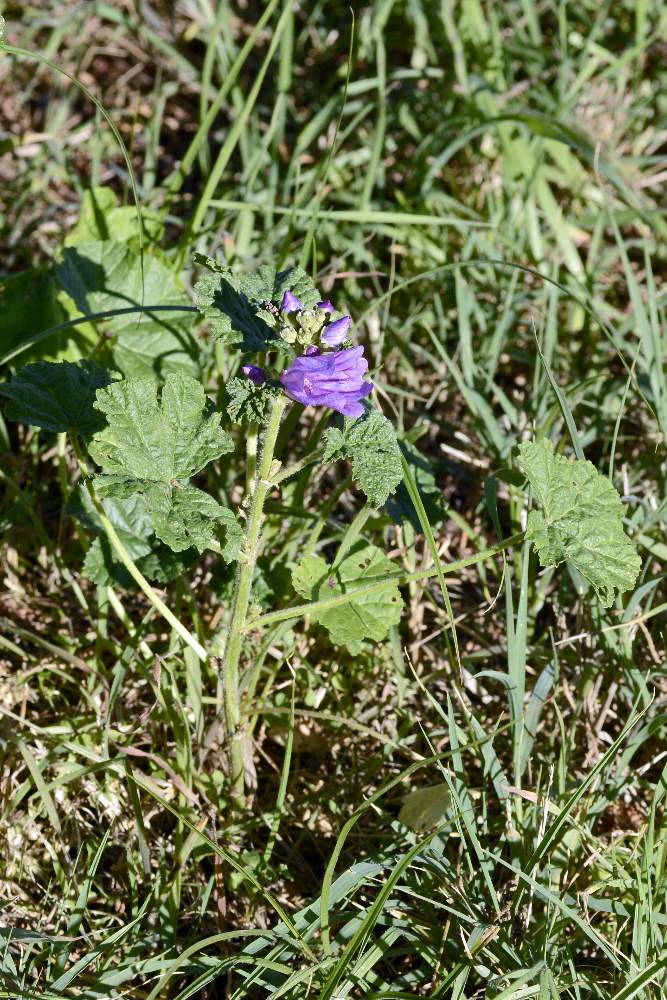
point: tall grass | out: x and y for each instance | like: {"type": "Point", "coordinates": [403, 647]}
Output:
{"type": "Point", "coordinates": [480, 185]}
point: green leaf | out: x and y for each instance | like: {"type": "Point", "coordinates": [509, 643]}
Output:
{"type": "Point", "coordinates": [133, 524]}
{"type": "Point", "coordinates": [247, 402]}
{"type": "Point", "coordinates": [581, 520]}
{"type": "Point", "coordinates": [160, 565]}
{"type": "Point", "coordinates": [425, 808]}
{"type": "Point", "coordinates": [368, 616]}
{"type": "Point", "coordinates": [231, 550]}
{"type": "Point", "coordinates": [163, 565]}
{"type": "Point", "coordinates": [370, 443]}
{"type": "Point", "coordinates": [153, 444]}
{"type": "Point", "coordinates": [128, 516]}
{"type": "Point", "coordinates": [100, 218]}
{"type": "Point", "coordinates": [182, 516]}
{"type": "Point", "coordinates": [57, 396]}
{"type": "Point", "coordinates": [401, 508]}
{"type": "Point", "coordinates": [158, 435]}
{"type": "Point", "coordinates": [236, 306]}
{"type": "Point", "coordinates": [28, 305]}
{"type": "Point", "coordinates": [99, 566]}
{"type": "Point", "coordinates": [104, 275]}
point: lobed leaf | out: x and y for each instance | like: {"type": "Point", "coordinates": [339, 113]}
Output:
{"type": "Point", "coordinates": [100, 275]}
{"type": "Point", "coordinates": [158, 436]}
{"type": "Point", "coordinates": [153, 444]}
{"type": "Point", "coordinates": [368, 616]}
{"type": "Point", "coordinates": [370, 443]}
{"type": "Point", "coordinates": [130, 518]}
{"type": "Point", "coordinates": [236, 305]}
{"type": "Point", "coordinates": [57, 396]}
{"type": "Point", "coordinates": [581, 520]}
{"type": "Point", "coordinates": [100, 218]}
{"type": "Point", "coordinates": [182, 516]}
{"type": "Point", "coordinates": [247, 402]}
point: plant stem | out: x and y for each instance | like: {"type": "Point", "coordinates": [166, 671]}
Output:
{"type": "Point", "coordinates": [129, 563]}
{"type": "Point", "coordinates": [251, 456]}
{"type": "Point", "coordinates": [230, 662]}
{"type": "Point", "coordinates": [391, 580]}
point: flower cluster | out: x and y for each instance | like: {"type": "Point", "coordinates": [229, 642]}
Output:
{"type": "Point", "coordinates": [320, 376]}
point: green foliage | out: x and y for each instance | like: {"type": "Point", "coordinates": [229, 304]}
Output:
{"type": "Point", "coordinates": [102, 275]}
{"type": "Point", "coordinates": [370, 443]}
{"type": "Point", "coordinates": [236, 305]}
{"type": "Point", "coordinates": [368, 616]}
{"type": "Point", "coordinates": [152, 445]}
{"type": "Point", "coordinates": [233, 545]}
{"type": "Point", "coordinates": [182, 515]}
{"type": "Point", "coordinates": [160, 565]}
{"type": "Point", "coordinates": [101, 219]}
{"type": "Point", "coordinates": [247, 402]}
{"type": "Point", "coordinates": [406, 174]}
{"type": "Point", "coordinates": [581, 520]}
{"type": "Point", "coordinates": [424, 808]}
{"type": "Point", "coordinates": [128, 516]}
{"type": "Point", "coordinates": [155, 434]}
{"type": "Point", "coordinates": [29, 304]}
{"type": "Point", "coordinates": [57, 396]}
{"type": "Point", "coordinates": [134, 527]}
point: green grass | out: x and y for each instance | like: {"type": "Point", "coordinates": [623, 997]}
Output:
{"type": "Point", "coordinates": [473, 181]}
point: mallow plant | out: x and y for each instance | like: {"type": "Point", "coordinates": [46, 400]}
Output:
{"type": "Point", "coordinates": [141, 443]}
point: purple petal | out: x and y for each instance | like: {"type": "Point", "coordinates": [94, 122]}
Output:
{"type": "Point", "coordinates": [326, 305]}
{"type": "Point", "coordinates": [290, 303]}
{"type": "Point", "coordinates": [334, 380]}
{"type": "Point", "coordinates": [353, 408]}
{"type": "Point", "coordinates": [312, 351]}
{"type": "Point", "coordinates": [335, 333]}
{"type": "Point", "coordinates": [255, 374]}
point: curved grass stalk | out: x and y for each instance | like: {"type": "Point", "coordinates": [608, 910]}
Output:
{"type": "Point", "coordinates": [129, 563]}
{"type": "Point", "coordinates": [88, 318]}
{"type": "Point", "coordinates": [299, 610]}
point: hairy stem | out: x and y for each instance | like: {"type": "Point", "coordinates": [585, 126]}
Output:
{"type": "Point", "coordinates": [230, 662]}
{"type": "Point", "coordinates": [129, 563]}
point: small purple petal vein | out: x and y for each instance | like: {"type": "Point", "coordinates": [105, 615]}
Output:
{"type": "Point", "coordinates": [334, 380]}
{"type": "Point", "coordinates": [254, 373]}
{"type": "Point", "coordinates": [290, 303]}
{"type": "Point", "coordinates": [335, 333]}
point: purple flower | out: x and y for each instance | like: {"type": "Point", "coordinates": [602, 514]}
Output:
{"type": "Point", "coordinates": [326, 306]}
{"type": "Point", "coordinates": [290, 303]}
{"type": "Point", "coordinates": [333, 380]}
{"type": "Point", "coordinates": [255, 374]}
{"type": "Point", "coordinates": [335, 333]}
